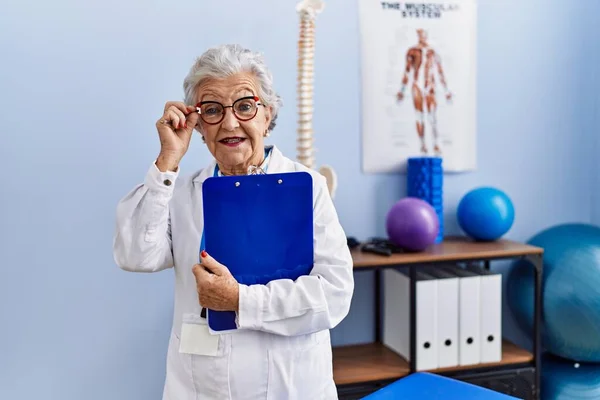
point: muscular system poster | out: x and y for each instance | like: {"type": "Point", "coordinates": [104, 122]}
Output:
{"type": "Point", "coordinates": [418, 83]}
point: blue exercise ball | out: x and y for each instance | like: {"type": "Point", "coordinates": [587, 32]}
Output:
{"type": "Point", "coordinates": [570, 291]}
{"type": "Point", "coordinates": [569, 380]}
{"type": "Point", "coordinates": [485, 213]}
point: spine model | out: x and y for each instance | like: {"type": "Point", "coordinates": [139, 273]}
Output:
{"type": "Point", "coordinates": [307, 10]}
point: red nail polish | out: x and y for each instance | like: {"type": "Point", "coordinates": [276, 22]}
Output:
{"type": "Point", "coordinates": [203, 254]}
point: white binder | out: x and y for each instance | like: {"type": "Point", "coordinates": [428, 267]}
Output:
{"type": "Point", "coordinates": [469, 316]}
{"type": "Point", "coordinates": [447, 312]}
{"type": "Point", "coordinates": [396, 316]}
{"type": "Point", "coordinates": [491, 314]}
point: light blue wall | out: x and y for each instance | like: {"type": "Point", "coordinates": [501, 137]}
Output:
{"type": "Point", "coordinates": [81, 86]}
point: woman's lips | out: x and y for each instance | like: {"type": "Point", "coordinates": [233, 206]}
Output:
{"type": "Point", "coordinates": [232, 141]}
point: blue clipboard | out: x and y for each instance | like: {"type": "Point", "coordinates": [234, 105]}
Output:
{"type": "Point", "coordinates": [260, 227]}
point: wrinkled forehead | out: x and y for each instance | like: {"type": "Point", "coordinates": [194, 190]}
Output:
{"type": "Point", "coordinates": [228, 89]}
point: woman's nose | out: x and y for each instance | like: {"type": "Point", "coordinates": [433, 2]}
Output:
{"type": "Point", "coordinates": [230, 122]}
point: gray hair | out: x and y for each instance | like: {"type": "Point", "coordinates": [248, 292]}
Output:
{"type": "Point", "coordinates": [225, 60]}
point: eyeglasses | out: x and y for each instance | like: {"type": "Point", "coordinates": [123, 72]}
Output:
{"type": "Point", "coordinates": [244, 109]}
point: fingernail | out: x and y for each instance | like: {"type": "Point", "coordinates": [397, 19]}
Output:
{"type": "Point", "coordinates": [203, 254]}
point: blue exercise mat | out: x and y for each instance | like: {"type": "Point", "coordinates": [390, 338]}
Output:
{"type": "Point", "coordinates": [260, 227]}
{"type": "Point", "coordinates": [428, 386]}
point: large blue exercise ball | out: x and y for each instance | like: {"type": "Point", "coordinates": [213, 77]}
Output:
{"type": "Point", "coordinates": [485, 213]}
{"type": "Point", "coordinates": [570, 291]}
{"type": "Point", "coordinates": [569, 380]}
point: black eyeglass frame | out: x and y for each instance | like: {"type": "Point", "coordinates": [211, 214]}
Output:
{"type": "Point", "coordinates": [255, 98]}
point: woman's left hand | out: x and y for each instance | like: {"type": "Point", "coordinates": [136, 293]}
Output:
{"type": "Point", "coordinates": [217, 288]}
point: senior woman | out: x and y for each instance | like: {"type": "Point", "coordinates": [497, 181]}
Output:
{"type": "Point", "coordinates": [282, 349]}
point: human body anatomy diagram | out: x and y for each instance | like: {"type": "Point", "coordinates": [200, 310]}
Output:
{"type": "Point", "coordinates": [424, 66]}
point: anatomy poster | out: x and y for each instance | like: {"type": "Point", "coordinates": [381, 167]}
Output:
{"type": "Point", "coordinates": [418, 83]}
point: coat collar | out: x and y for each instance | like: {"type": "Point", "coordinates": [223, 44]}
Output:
{"type": "Point", "coordinates": [276, 164]}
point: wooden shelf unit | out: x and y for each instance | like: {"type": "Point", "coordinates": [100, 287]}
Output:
{"type": "Point", "coordinates": [374, 362]}
{"type": "Point", "coordinates": [452, 249]}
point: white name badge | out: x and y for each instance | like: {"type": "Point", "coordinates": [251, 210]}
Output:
{"type": "Point", "coordinates": [196, 339]}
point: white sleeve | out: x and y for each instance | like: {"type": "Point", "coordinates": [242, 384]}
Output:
{"type": "Point", "coordinates": [142, 241]}
{"type": "Point", "coordinates": [314, 302]}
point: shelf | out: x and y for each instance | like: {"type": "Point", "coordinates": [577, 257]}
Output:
{"type": "Point", "coordinates": [451, 249]}
{"type": "Point", "coordinates": [375, 362]}
{"type": "Point", "coordinates": [367, 362]}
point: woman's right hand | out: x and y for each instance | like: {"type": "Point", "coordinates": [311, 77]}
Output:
{"type": "Point", "coordinates": [175, 129]}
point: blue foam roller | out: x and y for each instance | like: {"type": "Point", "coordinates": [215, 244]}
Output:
{"type": "Point", "coordinates": [424, 161]}
{"type": "Point", "coordinates": [425, 181]}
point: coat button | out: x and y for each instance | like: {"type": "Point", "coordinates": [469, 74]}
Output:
{"type": "Point", "coordinates": [167, 182]}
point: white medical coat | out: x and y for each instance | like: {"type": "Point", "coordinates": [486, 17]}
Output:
{"type": "Point", "coordinates": [283, 349]}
